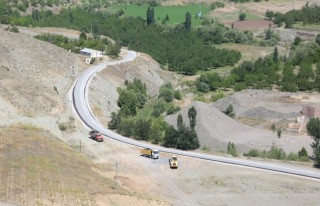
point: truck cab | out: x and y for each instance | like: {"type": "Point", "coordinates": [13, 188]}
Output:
{"type": "Point", "coordinates": [95, 135]}
{"type": "Point", "coordinates": [152, 153]}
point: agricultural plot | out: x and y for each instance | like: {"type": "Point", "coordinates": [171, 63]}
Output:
{"type": "Point", "coordinates": [176, 14]}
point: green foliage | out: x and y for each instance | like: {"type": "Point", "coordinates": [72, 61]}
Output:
{"type": "Point", "coordinates": [187, 23]}
{"type": "Point", "coordinates": [192, 114]}
{"type": "Point", "coordinates": [159, 107]}
{"type": "Point", "coordinates": [177, 95]}
{"type": "Point", "coordinates": [14, 29]}
{"type": "Point", "coordinates": [216, 4]}
{"type": "Point", "coordinates": [297, 41]}
{"type": "Point", "coordinates": [172, 109]}
{"type": "Point", "coordinates": [171, 137]}
{"type": "Point", "coordinates": [208, 81]}
{"type": "Point", "coordinates": [231, 149]}
{"type": "Point", "coordinates": [309, 14]}
{"type": "Point", "coordinates": [252, 153]}
{"type": "Point", "coordinates": [142, 129]}
{"type": "Point", "coordinates": [313, 129]}
{"type": "Point", "coordinates": [270, 14]}
{"type": "Point", "coordinates": [273, 127]}
{"type": "Point", "coordinates": [279, 132]}
{"type": "Point", "coordinates": [218, 95]}
{"type": "Point", "coordinates": [140, 89]}
{"type": "Point", "coordinates": [242, 16]}
{"type": "Point", "coordinates": [188, 139]}
{"type": "Point", "coordinates": [276, 153]}
{"type": "Point", "coordinates": [179, 121]}
{"type": "Point", "coordinates": [275, 55]}
{"type": "Point", "coordinates": [318, 39]}
{"type": "Point", "coordinates": [150, 16]}
{"type": "Point", "coordinates": [229, 111]}
{"type": "Point", "coordinates": [128, 102]}
{"type": "Point", "coordinates": [115, 120]}
{"type": "Point", "coordinates": [72, 44]}
{"type": "Point", "coordinates": [166, 92]}
{"type": "Point", "coordinates": [279, 154]}
{"type": "Point", "coordinates": [303, 153]}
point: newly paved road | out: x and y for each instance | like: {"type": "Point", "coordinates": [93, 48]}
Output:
{"type": "Point", "coordinates": [81, 105]}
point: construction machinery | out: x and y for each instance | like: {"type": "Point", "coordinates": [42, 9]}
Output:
{"type": "Point", "coordinates": [151, 153]}
{"type": "Point", "coordinates": [173, 162]}
{"type": "Point", "coordinates": [96, 136]}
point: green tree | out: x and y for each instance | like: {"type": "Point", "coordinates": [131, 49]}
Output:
{"type": "Point", "coordinates": [142, 129]}
{"type": "Point", "coordinates": [188, 139]}
{"type": "Point", "coordinates": [171, 137]}
{"type": "Point", "coordinates": [229, 111]}
{"type": "Point", "coordinates": [273, 127]}
{"type": "Point", "coordinates": [242, 16]}
{"type": "Point", "coordinates": [187, 23]}
{"type": "Point", "coordinates": [279, 132]}
{"type": "Point", "coordinates": [179, 121]}
{"type": "Point", "coordinates": [303, 152]}
{"type": "Point", "coordinates": [297, 41]}
{"type": "Point", "coordinates": [83, 35]}
{"type": "Point", "coordinates": [192, 114]}
{"type": "Point", "coordinates": [150, 16]}
{"type": "Point", "coordinates": [128, 102]}
{"type": "Point", "coordinates": [318, 39]}
{"type": "Point", "coordinates": [275, 55]}
{"type": "Point", "coordinates": [115, 120]}
{"type": "Point", "coordinates": [231, 149]}
{"type": "Point", "coordinates": [313, 129]}
{"type": "Point", "coordinates": [166, 92]}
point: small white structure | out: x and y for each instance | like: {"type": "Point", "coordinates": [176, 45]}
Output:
{"type": "Point", "coordinates": [91, 53]}
{"type": "Point", "coordinates": [88, 60]}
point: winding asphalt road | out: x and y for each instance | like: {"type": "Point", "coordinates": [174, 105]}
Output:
{"type": "Point", "coordinates": [81, 105]}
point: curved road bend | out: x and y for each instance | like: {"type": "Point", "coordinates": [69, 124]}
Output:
{"type": "Point", "coordinates": [81, 105]}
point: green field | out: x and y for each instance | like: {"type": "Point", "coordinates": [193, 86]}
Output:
{"type": "Point", "coordinates": [176, 13]}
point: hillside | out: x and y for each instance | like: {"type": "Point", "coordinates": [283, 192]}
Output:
{"type": "Point", "coordinates": [215, 130]}
{"type": "Point", "coordinates": [35, 76]}
{"type": "Point", "coordinates": [103, 96]}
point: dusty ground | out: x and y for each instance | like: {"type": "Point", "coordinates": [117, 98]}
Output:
{"type": "Point", "coordinates": [194, 183]}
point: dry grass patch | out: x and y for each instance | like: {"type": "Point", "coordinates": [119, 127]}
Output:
{"type": "Point", "coordinates": [37, 169]}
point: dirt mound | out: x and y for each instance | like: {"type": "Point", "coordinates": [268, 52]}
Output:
{"type": "Point", "coordinates": [35, 75]}
{"type": "Point", "coordinates": [215, 130]}
{"type": "Point", "coordinates": [265, 104]}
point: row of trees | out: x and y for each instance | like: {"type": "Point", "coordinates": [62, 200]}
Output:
{"type": "Point", "coordinates": [73, 44]}
{"type": "Point", "coordinates": [300, 71]}
{"type": "Point", "coordinates": [309, 14]}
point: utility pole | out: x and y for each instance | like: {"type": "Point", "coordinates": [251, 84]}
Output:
{"type": "Point", "coordinates": [116, 178]}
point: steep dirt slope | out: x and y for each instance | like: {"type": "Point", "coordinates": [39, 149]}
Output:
{"type": "Point", "coordinates": [103, 96]}
{"type": "Point", "coordinates": [35, 76]}
{"type": "Point", "coordinates": [215, 130]}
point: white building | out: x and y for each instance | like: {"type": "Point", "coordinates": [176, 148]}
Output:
{"type": "Point", "coordinates": [91, 53]}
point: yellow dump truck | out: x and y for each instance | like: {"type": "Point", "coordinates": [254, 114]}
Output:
{"type": "Point", "coordinates": [151, 153]}
{"type": "Point", "coordinates": [173, 162]}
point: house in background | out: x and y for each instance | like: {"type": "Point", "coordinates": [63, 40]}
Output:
{"type": "Point", "coordinates": [91, 53]}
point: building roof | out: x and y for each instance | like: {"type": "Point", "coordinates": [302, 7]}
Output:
{"type": "Point", "coordinates": [91, 51]}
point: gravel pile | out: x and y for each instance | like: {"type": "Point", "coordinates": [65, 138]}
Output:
{"type": "Point", "coordinates": [263, 113]}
